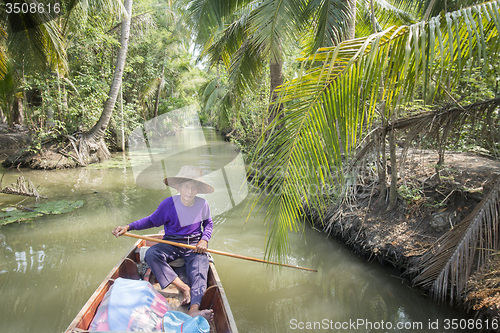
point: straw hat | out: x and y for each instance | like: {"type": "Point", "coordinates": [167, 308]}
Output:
{"type": "Point", "coordinates": [190, 173]}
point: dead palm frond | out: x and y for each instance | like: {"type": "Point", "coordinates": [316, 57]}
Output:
{"type": "Point", "coordinates": [429, 124]}
{"type": "Point", "coordinates": [446, 267]}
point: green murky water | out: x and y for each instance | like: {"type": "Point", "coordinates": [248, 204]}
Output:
{"type": "Point", "coordinates": [51, 266]}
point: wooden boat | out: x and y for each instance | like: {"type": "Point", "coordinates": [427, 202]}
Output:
{"type": "Point", "coordinates": [214, 298]}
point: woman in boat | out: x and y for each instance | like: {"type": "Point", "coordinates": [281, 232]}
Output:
{"type": "Point", "coordinates": [186, 219]}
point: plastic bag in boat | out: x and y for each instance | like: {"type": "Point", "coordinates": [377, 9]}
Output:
{"type": "Point", "coordinates": [179, 322]}
{"type": "Point", "coordinates": [130, 305]}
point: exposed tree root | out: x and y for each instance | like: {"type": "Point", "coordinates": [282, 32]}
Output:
{"type": "Point", "coordinates": [60, 153]}
{"type": "Point", "coordinates": [22, 187]}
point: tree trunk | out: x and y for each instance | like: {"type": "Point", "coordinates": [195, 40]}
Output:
{"type": "Point", "coordinates": [62, 103]}
{"type": "Point", "coordinates": [3, 119]}
{"type": "Point", "coordinates": [393, 194]}
{"type": "Point", "coordinates": [382, 167]}
{"type": "Point", "coordinates": [93, 140]}
{"type": "Point", "coordinates": [158, 92]}
{"type": "Point", "coordinates": [429, 10]}
{"type": "Point", "coordinates": [50, 115]}
{"type": "Point", "coordinates": [372, 17]}
{"type": "Point", "coordinates": [352, 22]}
{"type": "Point", "coordinates": [276, 72]}
{"type": "Point", "coordinates": [18, 111]}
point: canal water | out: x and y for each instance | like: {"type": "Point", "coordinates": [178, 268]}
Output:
{"type": "Point", "coordinates": [50, 266]}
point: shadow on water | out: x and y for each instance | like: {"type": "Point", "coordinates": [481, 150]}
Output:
{"type": "Point", "coordinates": [51, 266]}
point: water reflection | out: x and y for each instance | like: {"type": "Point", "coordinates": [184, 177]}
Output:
{"type": "Point", "coordinates": [30, 260]}
{"type": "Point", "coordinates": [6, 255]}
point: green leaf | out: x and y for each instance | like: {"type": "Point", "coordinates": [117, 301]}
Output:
{"type": "Point", "coordinates": [58, 207]}
{"type": "Point", "coordinates": [13, 214]}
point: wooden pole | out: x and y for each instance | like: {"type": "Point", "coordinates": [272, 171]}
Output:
{"type": "Point", "coordinates": [192, 247]}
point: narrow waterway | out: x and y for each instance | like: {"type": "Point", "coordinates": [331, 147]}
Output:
{"type": "Point", "coordinates": [49, 267]}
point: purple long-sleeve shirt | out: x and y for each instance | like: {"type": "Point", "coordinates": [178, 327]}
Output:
{"type": "Point", "coordinates": [179, 220]}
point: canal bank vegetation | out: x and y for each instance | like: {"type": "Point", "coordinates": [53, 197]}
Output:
{"type": "Point", "coordinates": [76, 86]}
{"type": "Point", "coordinates": [343, 117]}
{"type": "Point", "coordinates": [362, 135]}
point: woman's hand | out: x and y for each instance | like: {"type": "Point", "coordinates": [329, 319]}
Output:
{"type": "Point", "coordinates": [118, 231]}
{"type": "Point", "coordinates": [201, 247]}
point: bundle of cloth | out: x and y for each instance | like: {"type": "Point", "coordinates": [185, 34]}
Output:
{"type": "Point", "coordinates": [130, 305]}
{"type": "Point", "coordinates": [135, 306]}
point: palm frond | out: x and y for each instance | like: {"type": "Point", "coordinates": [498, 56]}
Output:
{"type": "Point", "coordinates": [271, 24]}
{"type": "Point", "coordinates": [226, 105]}
{"type": "Point", "coordinates": [207, 17]}
{"type": "Point", "coordinates": [333, 100]}
{"type": "Point", "coordinates": [428, 124]}
{"type": "Point", "coordinates": [150, 87]}
{"type": "Point", "coordinates": [39, 46]}
{"type": "Point", "coordinates": [3, 54]}
{"type": "Point", "coordinates": [382, 14]}
{"type": "Point", "coordinates": [8, 87]}
{"type": "Point", "coordinates": [225, 44]}
{"type": "Point", "coordinates": [94, 13]}
{"type": "Point", "coordinates": [212, 91]}
{"type": "Point", "coordinates": [253, 40]}
{"type": "Point", "coordinates": [433, 7]}
{"type": "Point", "coordinates": [447, 266]}
{"type": "Point", "coordinates": [331, 25]}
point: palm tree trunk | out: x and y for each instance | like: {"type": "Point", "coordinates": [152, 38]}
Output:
{"type": "Point", "coordinates": [393, 194]}
{"type": "Point", "coordinates": [382, 168]}
{"type": "Point", "coordinates": [94, 138]}
{"type": "Point", "coordinates": [429, 10]}
{"type": "Point", "coordinates": [276, 73]}
{"type": "Point", "coordinates": [352, 21]}
{"type": "Point", "coordinates": [372, 17]}
{"type": "Point", "coordinates": [62, 95]}
{"type": "Point", "coordinates": [18, 111]}
{"type": "Point", "coordinates": [158, 92]}
{"type": "Point", "coordinates": [50, 114]}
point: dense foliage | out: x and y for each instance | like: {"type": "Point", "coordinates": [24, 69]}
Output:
{"type": "Point", "coordinates": [160, 74]}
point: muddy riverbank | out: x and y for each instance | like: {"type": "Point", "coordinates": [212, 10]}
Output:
{"type": "Point", "coordinates": [427, 208]}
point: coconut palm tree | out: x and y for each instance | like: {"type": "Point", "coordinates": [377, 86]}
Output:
{"type": "Point", "coordinates": [93, 140]}
{"type": "Point", "coordinates": [28, 42]}
{"type": "Point", "coordinates": [332, 103]}
{"type": "Point", "coordinates": [251, 36]}
{"type": "Point", "coordinates": [37, 41]}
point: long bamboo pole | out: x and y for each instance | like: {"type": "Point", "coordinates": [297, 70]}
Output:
{"type": "Point", "coordinates": [192, 247]}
